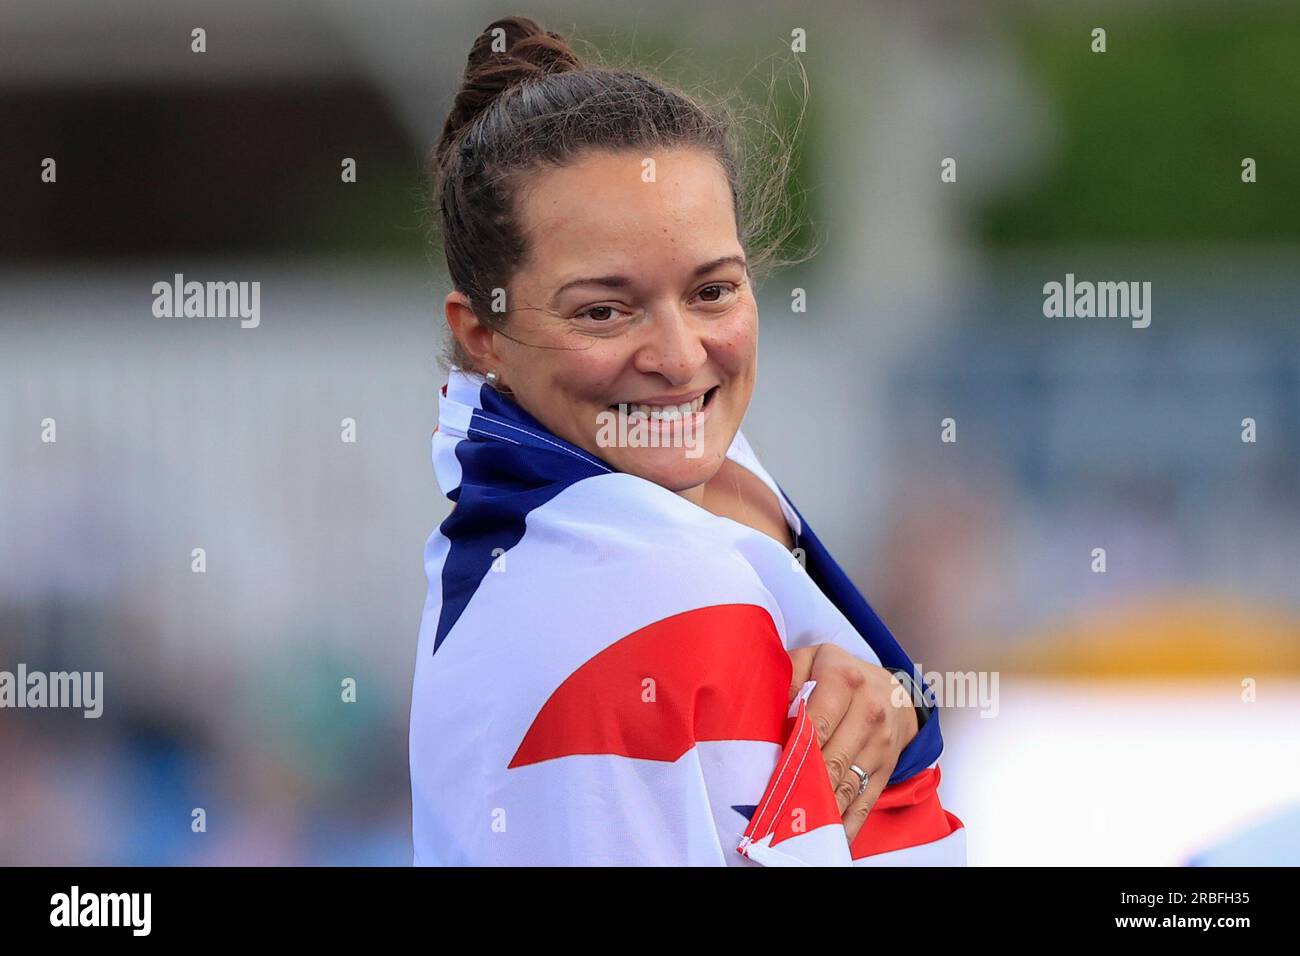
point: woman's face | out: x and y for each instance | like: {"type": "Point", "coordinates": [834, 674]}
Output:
{"type": "Point", "coordinates": [632, 330]}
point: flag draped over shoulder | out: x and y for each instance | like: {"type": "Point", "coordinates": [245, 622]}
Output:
{"type": "Point", "coordinates": [603, 674]}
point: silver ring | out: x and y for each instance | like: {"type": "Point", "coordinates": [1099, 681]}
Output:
{"type": "Point", "coordinates": [862, 774]}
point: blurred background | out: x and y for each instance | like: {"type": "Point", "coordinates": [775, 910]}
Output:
{"type": "Point", "coordinates": [1146, 714]}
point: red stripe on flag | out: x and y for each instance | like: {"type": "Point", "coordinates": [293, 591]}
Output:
{"type": "Point", "coordinates": [907, 814]}
{"type": "Point", "coordinates": [799, 797]}
{"type": "Point", "coordinates": [719, 673]}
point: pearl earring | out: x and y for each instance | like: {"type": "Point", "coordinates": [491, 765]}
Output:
{"type": "Point", "coordinates": [491, 377]}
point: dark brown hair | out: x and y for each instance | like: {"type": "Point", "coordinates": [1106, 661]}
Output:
{"type": "Point", "coordinates": [531, 103]}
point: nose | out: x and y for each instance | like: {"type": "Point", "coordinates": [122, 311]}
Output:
{"type": "Point", "coordinates": [674, 347]}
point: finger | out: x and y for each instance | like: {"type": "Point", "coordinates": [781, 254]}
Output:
{"type": "Point", "coordinates": [878, 774]}
{"type": "Point", "coordinates": [902, 702]}
{"type": "Point", "coordinates": [863, 724]}
{"type": "Point", "coordinates": [801, 660]}
{"type": "Point", "coordinates": [828, 704]}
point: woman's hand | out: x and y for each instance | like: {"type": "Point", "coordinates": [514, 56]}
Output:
{"type": "Point", "coordinates": [862, 715]}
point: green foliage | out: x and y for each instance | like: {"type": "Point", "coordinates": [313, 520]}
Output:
{"type": "Point", "coordinates": [1154, 130]}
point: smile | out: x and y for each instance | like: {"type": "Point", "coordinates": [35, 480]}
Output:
{"type": "Point", "coordinates": [668, 410]}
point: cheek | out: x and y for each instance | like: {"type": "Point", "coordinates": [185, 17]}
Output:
{"type": "Point", "coordinates": [587, 375]}
{"type": "Point", "coordinates": [736, 345]}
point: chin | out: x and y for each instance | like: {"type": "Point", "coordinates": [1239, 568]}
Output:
{"type": "Point", "coordinates": [670, 468]}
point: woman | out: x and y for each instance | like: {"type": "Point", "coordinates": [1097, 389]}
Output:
{"type": "Point", "coordinates": [634, 649]}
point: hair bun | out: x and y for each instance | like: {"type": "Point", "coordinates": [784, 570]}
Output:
{"type": "Point", "coordinates": [529, 50]}
{"type": "Point", "coordinates": [508, 52]}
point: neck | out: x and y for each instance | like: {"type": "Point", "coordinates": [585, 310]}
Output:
{"type": "Point", "coordinates": [694, 495]}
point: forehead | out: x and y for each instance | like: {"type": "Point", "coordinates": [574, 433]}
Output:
{"type": "Point", "coordinates": [601, 209]}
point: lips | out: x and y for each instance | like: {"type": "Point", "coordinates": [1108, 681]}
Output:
{"type": "Point", "coordinates": [668, 408]}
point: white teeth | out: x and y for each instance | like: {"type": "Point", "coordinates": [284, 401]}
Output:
{"type": "Point", "coordinates": [665, 412]}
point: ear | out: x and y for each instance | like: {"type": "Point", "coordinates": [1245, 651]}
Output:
{"type": "Point", "coordinates": [476, 339]}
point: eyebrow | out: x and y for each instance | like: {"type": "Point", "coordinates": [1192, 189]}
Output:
{"type": "Point", "coordinates": [619, 282]}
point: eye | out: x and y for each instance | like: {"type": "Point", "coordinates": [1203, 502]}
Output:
{"type": "Point", "coordinates": [716, 292]}
{"type": "Point", "coordinates": [599, 313]}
